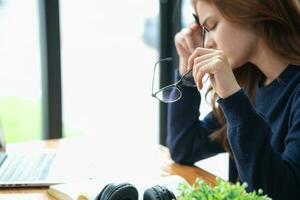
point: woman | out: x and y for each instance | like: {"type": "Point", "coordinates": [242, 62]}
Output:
{"type": "Point", "coordinates": [251, 53]}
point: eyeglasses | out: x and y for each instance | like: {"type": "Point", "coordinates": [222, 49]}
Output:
{"type": "Point", "coordinates": [173, 92]}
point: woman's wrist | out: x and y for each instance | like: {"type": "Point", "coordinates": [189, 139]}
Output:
{"type": "Point", "coordinates": [234, 89]}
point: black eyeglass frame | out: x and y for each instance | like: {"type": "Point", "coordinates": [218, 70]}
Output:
{"type": "Point", "coordinates": [174, 85]}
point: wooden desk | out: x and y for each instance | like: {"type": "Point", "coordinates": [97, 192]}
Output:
{"type": "Point", "coordinates": [166, 166]}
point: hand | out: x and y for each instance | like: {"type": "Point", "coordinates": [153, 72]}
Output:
{"type": "Point", "coordinates": [186, 41]}
{"type": "Point", "coordinates": [216, 65]}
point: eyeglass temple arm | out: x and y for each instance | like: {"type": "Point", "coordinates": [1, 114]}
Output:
{"type": "Point", "coordinates": [155, 65]}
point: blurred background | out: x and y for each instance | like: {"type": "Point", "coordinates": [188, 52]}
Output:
{"type": "Point", "coordinates": [107, 59]}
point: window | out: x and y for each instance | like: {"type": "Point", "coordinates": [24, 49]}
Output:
{"type": "Point", "coordinates": [108, 53]}
{"type": "Point", "coordinates": [20, 77]}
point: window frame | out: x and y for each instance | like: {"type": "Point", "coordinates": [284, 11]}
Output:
{"type": "Point", "coordinates": [170, 24]}
{"type": "Point", "coordinates": [51, 69]}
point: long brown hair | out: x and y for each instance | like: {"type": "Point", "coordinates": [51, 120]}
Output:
{"type": "Point", "coordinates": [281, 31]}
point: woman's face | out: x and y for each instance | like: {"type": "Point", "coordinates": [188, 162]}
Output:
{"type": "Point", "coordinates": [239, 42]}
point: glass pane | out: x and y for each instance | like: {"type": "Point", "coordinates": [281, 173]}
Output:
{"type": "Point", "coordinates": [20, 77]}
{"type": "Point", "coordinates": [187, 10]}
{"type": "Point", "coordinates": [108, 55]}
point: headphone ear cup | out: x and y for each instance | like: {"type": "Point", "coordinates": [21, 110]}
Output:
{"type": "Point", "coordinates": [151, 194]}
{"type": "Point", "coordinates": [158, 193]}
{"type": "Point", "coordinates": [122, 191]}
{"type": "Point", "coordinates": [103, 192]}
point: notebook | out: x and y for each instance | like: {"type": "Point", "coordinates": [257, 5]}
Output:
{"type": "Point", "coordinates": [26, 169]}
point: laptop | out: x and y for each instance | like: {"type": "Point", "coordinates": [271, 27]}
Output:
{"type": "Point", "coordinates": [26, 169]}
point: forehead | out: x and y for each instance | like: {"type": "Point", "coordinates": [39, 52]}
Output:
{"type": "Point", "coordinates": [205, 9]}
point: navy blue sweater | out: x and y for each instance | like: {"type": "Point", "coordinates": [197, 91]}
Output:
{"type": "Point", "coordinates": [264, 138]}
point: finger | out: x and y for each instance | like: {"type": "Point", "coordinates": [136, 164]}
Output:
{"type": "Point", "coordinates": [195, 27]}
{"type": "Point", "coordinates": [180, 44]}
{"type": "Point", "coordinates": [204, 57]}
{"type": "Point", "coordinates": [196, 34]}
{"type": "Point", "coordinates": [198, 52]}
{"type": "Point", "coordinates": [206, 68]}
{"type": "Point", "coordinates": [198, 61]}
{"type": "Point", "coordinates": [179, 39]}
{"type": "Point", "coordinates": [200, 64]}
{"type": "Point", "coordinates": [203, 81]}
{"type": "Point", "coordinates": [187, 33]}
{"type": "Point", "coordinates": [182, 49]}
{"type": "Point", "coordinates": [190, 43]}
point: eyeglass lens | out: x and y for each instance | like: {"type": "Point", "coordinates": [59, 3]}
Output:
{"type": "Point", "coordinates": [169, 94]}
{"type": "Point", "coordinates": [173, 92]}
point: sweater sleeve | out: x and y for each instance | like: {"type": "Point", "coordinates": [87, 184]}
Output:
{"type": "Point", "coordinates": [258, 164]}
{"type": "Point", "coordinates": [188, 137]}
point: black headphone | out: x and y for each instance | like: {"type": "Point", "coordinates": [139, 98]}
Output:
{"type": "Point", "coordinates": [158, 193]}
{"type": "Point", "coordinates": [121, 191]}
{"type": "Point", "coordinates": [126, 191]}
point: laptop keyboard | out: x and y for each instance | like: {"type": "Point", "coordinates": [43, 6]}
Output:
{"type": "Point", "coordinates": [25, 167]}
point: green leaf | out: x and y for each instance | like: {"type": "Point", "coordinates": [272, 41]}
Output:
{"type": "Point", "coordinates": [222, 191]}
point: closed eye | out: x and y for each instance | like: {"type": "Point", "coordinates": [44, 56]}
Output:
{"type": "Point", "coordinates": [212, 27]}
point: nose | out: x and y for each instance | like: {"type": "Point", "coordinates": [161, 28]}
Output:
{"type": "Point", "coordinates": [209, 42]}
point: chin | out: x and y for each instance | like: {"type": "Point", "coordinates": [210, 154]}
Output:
{"type": "Point", "coordinates": [232, 64]}
{"type": "Point", "coordinates": [235, 64]}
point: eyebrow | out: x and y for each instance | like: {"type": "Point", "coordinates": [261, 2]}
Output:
{"type": "Point", "coordinates": [198, 21]}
